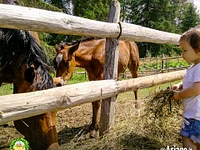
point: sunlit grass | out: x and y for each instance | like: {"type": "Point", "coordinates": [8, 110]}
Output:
{"type": "Point", "coordinates": [6, 89]}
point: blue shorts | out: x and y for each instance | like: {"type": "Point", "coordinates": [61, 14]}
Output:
{"type": "Point", "coordinates": [191, 129]}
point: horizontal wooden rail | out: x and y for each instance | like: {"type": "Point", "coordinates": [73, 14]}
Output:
{"type": "Point", "coordinates": [24, 105]}
{"type": "Point", "coordinates": [18, 17]}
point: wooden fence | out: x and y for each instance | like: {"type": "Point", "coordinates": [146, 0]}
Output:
{"type": "Point", "coordinates": [155, 65]}
{"type": "Point", "coordinates": [26, 18]}
{"type": "Point", "coordinates": [35, 103]}
{"type": "Point", "coordinates": [23, 105]}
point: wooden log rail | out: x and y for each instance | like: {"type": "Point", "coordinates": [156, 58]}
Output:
{"type": "Point", "coordinates": [24, 105]}
{"type": "Point", "coordinates": [26, 18]}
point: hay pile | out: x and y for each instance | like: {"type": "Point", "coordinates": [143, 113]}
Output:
{"type": "Point", "coordinates": [163, 104]}
{"type": "Point", "coordinates": [138, 129]}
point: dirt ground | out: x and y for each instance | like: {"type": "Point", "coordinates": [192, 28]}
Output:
{"type": "Point", "coordinates": [71, 122]}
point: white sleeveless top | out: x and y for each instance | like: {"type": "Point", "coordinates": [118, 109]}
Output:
{"type": "Point", "coordinates": [191, 105]}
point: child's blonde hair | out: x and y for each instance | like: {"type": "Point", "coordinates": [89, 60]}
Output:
{"type": "Point", "coordinates": [192, 36]}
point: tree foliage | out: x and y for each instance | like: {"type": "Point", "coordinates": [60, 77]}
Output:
{"type": "Point", "coordinates": [39, 4]}
{"type": "Point", "coordinates": [164, 15]}
{"type": "Point", "coordinates": [189, 17]}
{"type": "Point", "coordinates": [95, 10]}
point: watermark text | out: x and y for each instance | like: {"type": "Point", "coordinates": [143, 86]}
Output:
{"type": "Point", "coordinates": [174, 148]}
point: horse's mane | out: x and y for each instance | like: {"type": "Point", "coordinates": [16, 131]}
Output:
{"type": "Point", "coordinates": [12, 2]}
{"type": "Point", "coordinates": [14, 43]}
{"type": "Point", "coordinates": [82, 40]}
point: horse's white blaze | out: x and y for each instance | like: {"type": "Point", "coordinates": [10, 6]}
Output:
{"type": "Point", "coordinates": [59, 59]}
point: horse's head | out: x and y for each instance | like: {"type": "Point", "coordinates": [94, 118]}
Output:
{"type": "Point", "coordinates": [64, 62]}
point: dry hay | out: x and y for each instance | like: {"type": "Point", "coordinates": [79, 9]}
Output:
{"type": "Point", "coordinates": [163, 104]}
{"type": "Point", "coordinates": [135, 129]}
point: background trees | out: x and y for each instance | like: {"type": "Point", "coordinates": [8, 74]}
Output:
{"type": "Point", "coordinates": [174, 16]}
{"type": "Point", "coordinates": [164, 15]}
{"type": "Point", "coordinates": [189, 17]}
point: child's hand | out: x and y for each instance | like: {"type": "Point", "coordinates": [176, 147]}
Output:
{"type": "Point", "coordinates": [176, 95]}
{"type": "Point", "coordinates": [177, 87]}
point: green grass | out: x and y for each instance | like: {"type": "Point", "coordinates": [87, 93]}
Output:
{"type": "Point", "coordinates": [78, 78]}
{"type": "Point", "coordinates": [156, 64]}
{"type": "Point", "coordinates": [6, 89]}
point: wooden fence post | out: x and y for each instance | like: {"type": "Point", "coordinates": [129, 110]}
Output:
{"type": "Point", "coordinates": [110, 72]}
{"type": "Point", "coordinates": [162, 67]}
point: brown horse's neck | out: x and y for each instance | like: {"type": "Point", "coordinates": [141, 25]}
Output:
{"type": "Point", "coordinates": [88, 51]}
{"type": "Point", "coordinates": [82, 60]}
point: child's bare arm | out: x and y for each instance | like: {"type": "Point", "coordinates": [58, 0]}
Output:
{"type": "Point", "coordinates": [189, 92]}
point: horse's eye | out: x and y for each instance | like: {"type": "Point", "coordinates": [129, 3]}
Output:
{"type": "Point", "coordinates": [55, 64]}
{"type": "Point", "coordinates": [67, 63]}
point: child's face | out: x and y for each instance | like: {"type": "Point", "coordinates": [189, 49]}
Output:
{"type": "Point", "coordinates": [188, 53]}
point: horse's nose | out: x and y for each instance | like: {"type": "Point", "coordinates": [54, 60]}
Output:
{"type": "Point", "coordinates": [59, 81]}
{"type": "Point", "coordinates": [62, 82]}
{"type": "Point", "coordinates": [58, 85]}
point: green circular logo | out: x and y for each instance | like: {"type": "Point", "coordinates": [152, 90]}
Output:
{"type": "Point", "coordinates": [19, 144]}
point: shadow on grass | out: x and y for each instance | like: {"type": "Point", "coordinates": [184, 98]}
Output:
{"type": "Point", "coordinates": [138, 142]}
{"type": "Point", "coordinates": [67, 134]}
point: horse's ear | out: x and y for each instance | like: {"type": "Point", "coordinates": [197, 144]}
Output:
{"type": "Point", "coordinates": [29, 74]}
{"type": "Point", "coordinates": [59, 47]}
{"type": "Point", "coordinates": [54, 63]}
{"type": "Point", "coordinates": [74, 48]}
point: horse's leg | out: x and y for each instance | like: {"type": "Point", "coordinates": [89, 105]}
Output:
{"type": "Point", "coordinates": [133, 67]}
{"type": "Point", "coordinates": [95, 105]}
{"type": "Point", "coordinates": [95, 121]}
{"type": "Point", "coordinates": [39, 131]}
{"type": "Point", "coordinates": [49, 125]}
{"type": "Point", "coordinates": [25, 128]}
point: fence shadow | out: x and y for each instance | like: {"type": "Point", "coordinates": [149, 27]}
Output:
{"type": "Point", "coordinates": [134, 141]}
{"type": "Point", "coordinates": [68, 134]}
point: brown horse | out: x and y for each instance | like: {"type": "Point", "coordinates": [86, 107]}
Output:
{"type": "Point", "coordinates": [89, 54]}
{"type": "Point", "coordinates": [24, 63]}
